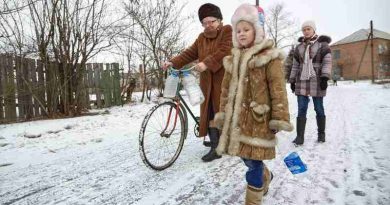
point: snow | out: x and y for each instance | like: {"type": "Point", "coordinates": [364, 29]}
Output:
{"type": "Point", "coordinates": [95, 159]}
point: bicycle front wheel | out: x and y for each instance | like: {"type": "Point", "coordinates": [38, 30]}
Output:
{"type": "Point", "coordinates": [162, 135]}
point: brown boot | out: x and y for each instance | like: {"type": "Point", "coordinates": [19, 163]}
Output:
{"type": "Point", "coordinates": [267, 178]}
{"type": "Point", "coordinates": [254, 196]}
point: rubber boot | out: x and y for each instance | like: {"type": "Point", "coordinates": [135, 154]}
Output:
{"type": "Point", "coordinates": [214, 139]}
{"type": "Point", "coordinates": [206, 143]}
{"type": "Point", "coordinates": [301, 124]}
{"type": "Point", "coordinates": [321, 122]}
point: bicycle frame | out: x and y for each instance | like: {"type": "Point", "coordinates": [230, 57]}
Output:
{"type": "Point", "coordinates": [188, 109]}
{"type": "Point", "coordinates": [180, 105]}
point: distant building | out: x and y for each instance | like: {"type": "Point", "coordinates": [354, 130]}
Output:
{"type": "Point", "coordinates": [348, 52]}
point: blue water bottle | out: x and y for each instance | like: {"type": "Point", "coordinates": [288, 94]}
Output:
{"type": "Point", "coordinates": [294, 163]}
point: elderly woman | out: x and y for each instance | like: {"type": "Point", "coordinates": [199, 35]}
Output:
{"type": "Point", "coordinates": [211, 46]}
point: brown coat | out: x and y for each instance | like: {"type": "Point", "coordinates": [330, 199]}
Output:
{"type": "Point", "coordinates": [253, 102]}
{"type": "Point", "coordinates": [210, 51]}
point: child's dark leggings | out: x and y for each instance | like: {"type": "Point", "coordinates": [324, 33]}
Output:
{"type": "Point", "coordinates": [254, 175]}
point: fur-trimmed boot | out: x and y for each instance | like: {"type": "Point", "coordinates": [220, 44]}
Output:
{"type": "Point", "coordinates": [214, 139]}
{"type": "Point", "coordinates": [267, 178]}
{"type": "Point", "coordinates": [301, 124]}
{"type": "Point", "coordinates": [321, 121]}
{"type": "Point", "coordinates": [253, 195]}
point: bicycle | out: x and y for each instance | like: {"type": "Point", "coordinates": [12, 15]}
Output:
{"type": "Point", "coordinates": [165, 126]}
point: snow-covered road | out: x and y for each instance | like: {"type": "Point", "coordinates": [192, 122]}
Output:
{"type": "Point", "coordinates": [95, 159]}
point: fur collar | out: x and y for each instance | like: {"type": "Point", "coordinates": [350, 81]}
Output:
{"type": "Point", "coordinates": [259, 58]}
{"type": "Point", "coordinates": [266, 43]}
{"type": "Point", "coordinates": [320, 39]}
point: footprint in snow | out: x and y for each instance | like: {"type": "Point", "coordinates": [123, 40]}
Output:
{"type": "Point", "coordinates": [359, 193]}
{"type": "Point", "coordinates": [333, 182]}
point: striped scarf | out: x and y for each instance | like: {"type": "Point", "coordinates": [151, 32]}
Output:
{"type": "Point", "coordinates": [308, 69]}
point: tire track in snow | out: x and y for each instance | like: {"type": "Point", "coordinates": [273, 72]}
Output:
{"type": "Point", "coordinates": [370, 166]}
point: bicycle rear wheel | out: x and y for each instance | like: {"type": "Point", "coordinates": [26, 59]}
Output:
{"type": "Point", "coordinates": [162, 135]}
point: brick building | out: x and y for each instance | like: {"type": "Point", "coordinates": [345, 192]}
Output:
{"type": "Point", "coordinates": [348, 52]}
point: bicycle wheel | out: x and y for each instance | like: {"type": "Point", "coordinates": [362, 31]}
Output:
{"type": "Point", "coordinates": [162, 135]}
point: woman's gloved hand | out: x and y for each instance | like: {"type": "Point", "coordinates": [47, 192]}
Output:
{"type": "Point", "coordinates": [292, 86]}
{"type": "Point", "coordinates": [323, 83]}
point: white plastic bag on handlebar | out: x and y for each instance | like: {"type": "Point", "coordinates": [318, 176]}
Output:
{"type": "Point", "coordinates": [192, 89]}
{"type": "Point", "coordinates": [171, 86]}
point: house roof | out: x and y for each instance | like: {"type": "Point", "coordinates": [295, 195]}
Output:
{"type": "Point", "coordinates": [361, 35]}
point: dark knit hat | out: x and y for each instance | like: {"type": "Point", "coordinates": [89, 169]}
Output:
{"type": "Point", "coordinates": [209, 10]}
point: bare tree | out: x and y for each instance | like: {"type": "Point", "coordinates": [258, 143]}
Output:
{"type": "Point", "coordinates": [80, 33]}
{"type": "Point", "coordinates": [68, 32]}
{"type": "Point", "coordinates": [280, 26]}
{"type": "Point", "coordinates": [157, 29]}
{"type": "Point", "coordinates": [13, 33]}
{"type": "Point", "coordinates": [124, 45]}
{"type": "Point", "coordinates": [145, 56]}
{"type": "Point", "coordinates": [6, 8]}
{"type": "Point", "coordinates": [17, 42]}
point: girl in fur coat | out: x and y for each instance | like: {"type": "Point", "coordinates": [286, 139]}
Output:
{"type": "Point", "coordinates": [253, 104]}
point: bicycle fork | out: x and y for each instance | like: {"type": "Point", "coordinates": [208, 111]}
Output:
{"type": "Point", "coordinates": [163, 132]}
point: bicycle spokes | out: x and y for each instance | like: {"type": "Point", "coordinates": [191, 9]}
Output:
{"type": "Point", "coordinates": [162, 135]}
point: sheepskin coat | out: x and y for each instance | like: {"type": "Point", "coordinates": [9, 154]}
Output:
{"type": "Point", "coordinates": [253, 102]}
{"type": "Point", "coordinates": [210, 51]}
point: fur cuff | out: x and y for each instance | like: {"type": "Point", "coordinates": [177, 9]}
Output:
{"type": "Point", "coordinates": [280, 125]}
{"type": "Point", "coordinates": [228, 63]}
{"type": "Point", "coordinates": [219, 119]}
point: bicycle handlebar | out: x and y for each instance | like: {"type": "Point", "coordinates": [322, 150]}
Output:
{"type": "Point", "coordinates": [172, 69]}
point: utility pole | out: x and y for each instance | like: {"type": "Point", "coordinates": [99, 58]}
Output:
{"type": "Point", "coordinates": [361, 59]}
{"type": "Point", "coordinates": [372, 52]}
{"type": "Point", "coordinates": [370, 37]}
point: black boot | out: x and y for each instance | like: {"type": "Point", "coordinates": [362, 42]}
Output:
{"type": "Point", "coordinates": [206, 143]}
{"type": "Point", "coordinates": [321, 121]}
{"type": "Point", "coordinates": [214, 139]}
{"type": "Point", "coordinates": [301, 123]}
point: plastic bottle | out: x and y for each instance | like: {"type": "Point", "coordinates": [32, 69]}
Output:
{"type": "Point", "coordinates": [193, 90]}
{"type": "Point", "coordinates": [171, 86]}
{"type": "Point", "coordinates": [295, 164]}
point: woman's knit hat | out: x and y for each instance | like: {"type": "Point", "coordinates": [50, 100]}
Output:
{"type": "Point", "coordinates": [309, 24]}
{"type": "Point", "coordinates": [248, 13]}
{"type": "Point", "coordinates": [209, 10]}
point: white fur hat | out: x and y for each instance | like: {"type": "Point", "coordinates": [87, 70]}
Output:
{"type": "Point", "coordinates": [249, 13]}
{"type": "Point", "coordinates": [309, 24]}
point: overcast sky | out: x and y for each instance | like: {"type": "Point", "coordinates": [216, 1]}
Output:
{"type": "Point", "coordinates": [336, 18]}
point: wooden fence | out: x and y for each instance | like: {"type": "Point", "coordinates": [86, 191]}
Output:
{"type": "Point", "coordinates": [27, 87]}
